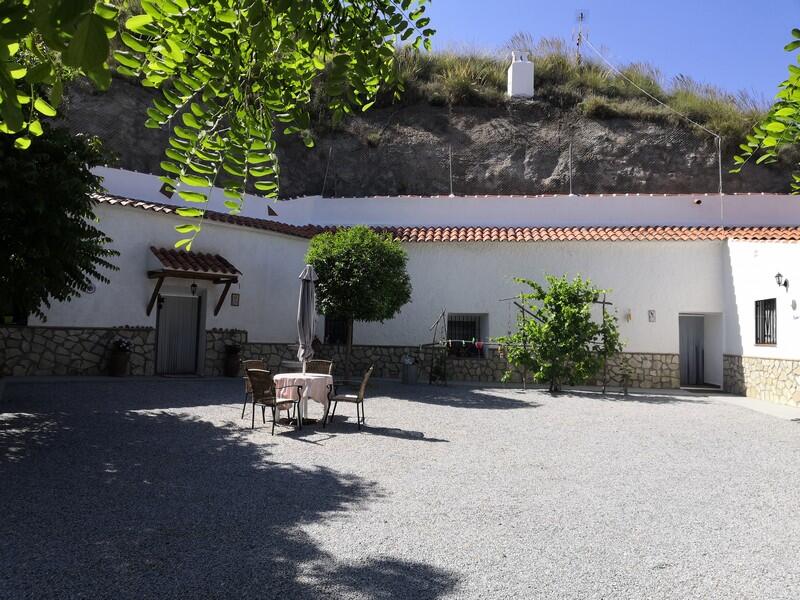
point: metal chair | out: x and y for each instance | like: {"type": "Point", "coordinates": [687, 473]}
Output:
{"type": "Point", "coordinates": [248, 389]}
{"type": "Point", "coordinates": [357, 399]}
{"type": "Point", "coordinates": [266, 394]}
{"type": "Point", "coordinates": [324, 367]}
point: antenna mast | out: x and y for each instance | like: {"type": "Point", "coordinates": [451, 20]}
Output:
{"type": "Point", "coordinates": [579, 36]}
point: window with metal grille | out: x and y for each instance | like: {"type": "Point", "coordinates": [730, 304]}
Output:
{"type": "Point", "coordinates": [464, 334]}
{"type": "Point", "coordinates": [335, 331]}
{"type": "Point", "coordinates": [766, 322]}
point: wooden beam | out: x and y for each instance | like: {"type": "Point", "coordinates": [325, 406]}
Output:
{"type": "Point", "coordinates": [222, 297]}
{"type": "Point", "coordinates": [214, 277]}
{"type": "Point", "coordinates": [154, 297]}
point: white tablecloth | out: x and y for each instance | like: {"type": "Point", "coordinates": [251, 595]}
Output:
{"type": "Point", "coordinates": [315, 387]}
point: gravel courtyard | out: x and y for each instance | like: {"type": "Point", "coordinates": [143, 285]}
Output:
{"type": "Point", "coordinates": [156, 488]}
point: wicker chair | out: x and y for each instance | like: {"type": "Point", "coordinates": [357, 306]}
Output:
{"type": "Point", "coordinates": [325, 367]}
{"type": "Point", "coordinates": [357, 399]}
{"type": "Point", "coordinates": [265, 393]}
{"type": "Point", "coordinates": [248, 389]}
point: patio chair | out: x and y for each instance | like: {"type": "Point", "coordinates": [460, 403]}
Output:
{"type": "Point", "coordinates": [325, 367]}
{"type": "Point", "coordinates": [248, 389]}
{"type": "Point", "coordinates": [266, 394]}
{"type": "Point", "coordinates": [357, 399]}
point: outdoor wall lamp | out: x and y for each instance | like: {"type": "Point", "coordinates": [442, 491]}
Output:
{"type": "Point", "coordinates": [193, 288]}
{"type": "Point", "coordinates": [781, 281]}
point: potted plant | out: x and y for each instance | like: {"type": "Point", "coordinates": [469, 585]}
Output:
{"type": "Point", "coordinates": [120, 356]}
{"type": "Point", "coordinates": [2, 380]}
{"type": "Point", "coordinates": [232, 360]}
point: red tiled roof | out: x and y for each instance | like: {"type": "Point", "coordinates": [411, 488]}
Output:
{"type": "Point", "coordinates": [500, 234]}
{"type": "Point", "coordinates": [306, 231]}
{"type": "Point", "coordinates": [194, 262]}
{"type": "Point", "coordinates": [592, 234]}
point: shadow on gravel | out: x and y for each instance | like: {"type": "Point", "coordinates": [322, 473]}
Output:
{"type": "Point", "coordinates": [460, 397]}
{"type": "Point", "coordinates": [635, 397]}
{"type": "Point", "coordinates": [117, 504]}
{"type": "Point", "coordinates": [347, 425]}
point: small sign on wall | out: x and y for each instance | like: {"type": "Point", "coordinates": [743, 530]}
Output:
{"type": "Point", "coordinates": [234, 299]}
{"type": "Point", "coordinates": [651, 315]}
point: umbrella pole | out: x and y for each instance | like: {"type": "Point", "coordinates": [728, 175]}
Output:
{"type": "Point", "coordinates": [348, 350]}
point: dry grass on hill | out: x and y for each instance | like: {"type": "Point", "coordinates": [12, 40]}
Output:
{"type": "Point", "coordinates": [474, 78]}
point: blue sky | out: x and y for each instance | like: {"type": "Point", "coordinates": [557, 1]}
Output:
{"type": "Point", "coordinates": [735, 44]}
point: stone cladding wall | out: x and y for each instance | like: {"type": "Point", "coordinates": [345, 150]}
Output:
{"type": "Point", "coordinates": [644, 370]}
{"type": "Point", "coordinates": [72, 351]}
{"type": "Point", "coordinates": [216, 340]}
{"type": "Point", "coordinates": [775, 380]}
{"type": "Point", "coordinates": [85, 351]}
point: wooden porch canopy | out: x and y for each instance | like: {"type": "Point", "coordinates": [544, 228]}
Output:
{"type": "Point", "coordinates": [192, 265]}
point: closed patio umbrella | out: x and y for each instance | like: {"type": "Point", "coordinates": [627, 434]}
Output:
{"type": "Point", "coordinates": [306, 313]}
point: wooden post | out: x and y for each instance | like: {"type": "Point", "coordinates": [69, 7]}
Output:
{"type": "Point", "coordinates": [154, 297]}
{"type": "Point", "coordinates": [222, 297]}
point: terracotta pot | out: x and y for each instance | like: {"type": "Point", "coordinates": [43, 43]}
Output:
{"type": "Point", "coordinates": [231, 366]}
{"type": "Point", "coordinates": [118, 364]}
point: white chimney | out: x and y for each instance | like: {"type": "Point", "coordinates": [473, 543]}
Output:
{"type": "Point", "coordinates": [520, 76]}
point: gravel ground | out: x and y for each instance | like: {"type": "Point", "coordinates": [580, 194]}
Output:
{"type": "Point", "coordinates": [156, 488]}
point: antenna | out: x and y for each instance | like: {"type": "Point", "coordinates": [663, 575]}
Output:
{"type": "Point", "coordinates": [579, 35]}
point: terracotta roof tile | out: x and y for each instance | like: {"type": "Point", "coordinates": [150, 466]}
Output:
{"type": "Point", "coordinates": [422, 233]}
{"type": "Point", "coordinates": [193, 262]}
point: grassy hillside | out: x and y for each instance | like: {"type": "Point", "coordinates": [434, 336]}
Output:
{"type": "Point", "coordinates": [479, 79]}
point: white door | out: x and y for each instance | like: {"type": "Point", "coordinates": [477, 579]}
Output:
{"type": "Point", "coordinates": [177, 335]}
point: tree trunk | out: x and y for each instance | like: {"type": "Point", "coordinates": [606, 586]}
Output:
{"type": "Point", "coordinates": [348, 350]}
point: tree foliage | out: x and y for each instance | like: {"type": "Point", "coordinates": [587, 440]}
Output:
{"type": "Point", "coordinates": [781, 126]}
{"type": "Point", "coordinates": [559, 341]}
{"type": "Point", "coordinates": [41, 42]}
{"type": "Point", "coordinates": [49, 254]}
{"type": "Point", "coordinates": [362, 276]}
{"type": "Point", "coordinates": [230, 74]}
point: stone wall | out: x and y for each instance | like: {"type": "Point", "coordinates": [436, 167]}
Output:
{"type": "Point", "coordinates": [646, 370]}
{"type": "Point", "coordinates": [85, 351]}
{"type": "Point", "coordinates": [216, 340]}
{"type": "Point", "coordinates": [771, 379]}
{"type": "Point", "coordinates": [72, 351]}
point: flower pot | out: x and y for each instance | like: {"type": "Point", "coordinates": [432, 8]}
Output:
{"type": "Point", "coordinates": [232, 362]}
{"type": "Point", "coordinates": [118, 363]}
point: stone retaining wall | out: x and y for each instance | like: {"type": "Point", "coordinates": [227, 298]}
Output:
{"type": "Point", "coordinates": [216, 340]}
{"type": "Point", "coordinates": [72, 351]}
{"type": "Point", "coordinates": [85, 351]}
{"type": "Point", "coordinates": [644, 370]}
{"type": "Point", "coordinates": [771, 379]}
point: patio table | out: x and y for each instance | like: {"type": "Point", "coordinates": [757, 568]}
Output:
{"type": "Point", "coordinates": [315, 387]}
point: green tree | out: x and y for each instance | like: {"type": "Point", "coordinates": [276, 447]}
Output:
{"type": "Point", "coordinates": [41, 43]}
{"type": "Point", "coordinates": [230, 73]}
{"type": "Point", "coordinates": [557, 339]}
{"type": "Point", "coordinates": [362, 277]}
{"type": "Point", "coordinates": [781, 126]}
{"type": "Point", "coordinates": [49, 246]}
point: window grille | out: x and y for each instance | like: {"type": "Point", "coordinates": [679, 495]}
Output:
{"type": "Point", "coordinates": [461, 331]}
{"type": "Point", "coordinates": [335, 331]}
{"type": "Point", "coordinates": [766, 322]}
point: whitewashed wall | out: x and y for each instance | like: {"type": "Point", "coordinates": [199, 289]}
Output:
{"type": "Point", "coordinates": [711, 278]}
{"type": "Point", "coordinates": [749, 275]}
{"type": "Point", "coordinates": [593, 210]}
{"type": "Point", "coordinates": [668, 277]}
{"type": "Point", "coordinates": [461, 277]}
{"type": "Point", "coordinates": [268, 286]}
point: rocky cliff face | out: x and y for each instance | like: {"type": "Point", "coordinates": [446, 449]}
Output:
{"type": "Point", "coordinates": [525, 147]}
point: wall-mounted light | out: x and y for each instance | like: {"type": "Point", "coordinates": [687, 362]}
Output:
{"type": "Point", "coordinates": [193, 288]}
{"type": "Point", "coordinates": [781, 281]}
